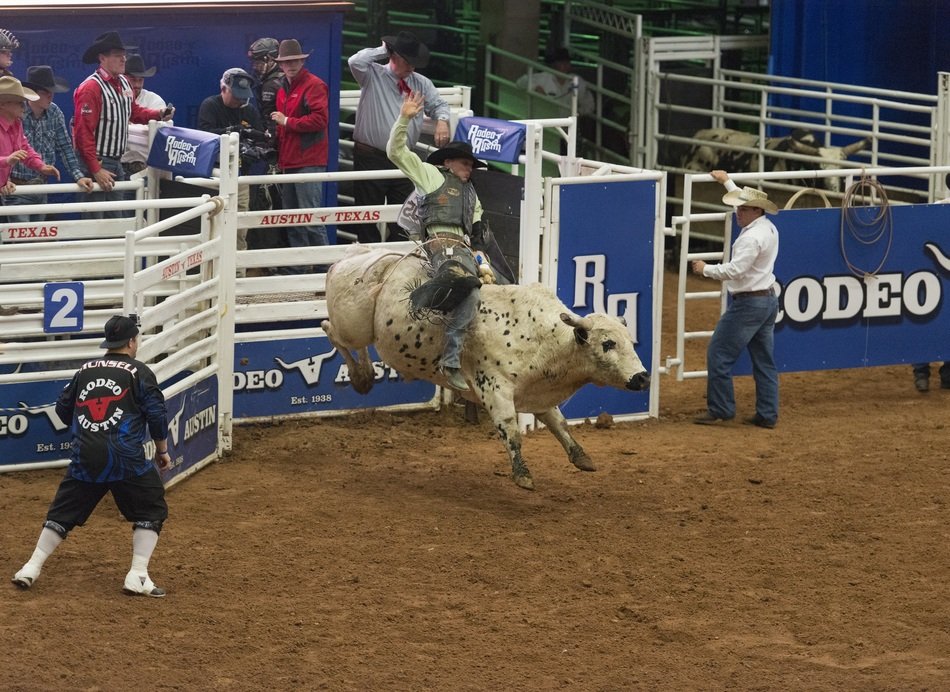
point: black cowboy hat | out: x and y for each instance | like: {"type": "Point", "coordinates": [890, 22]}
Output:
{"type": "Point", "coordinates": [135, 66]}
{"type": "Point", "coordinates": [408, 47]}
{"type": "Point", "coordinates": [104, 43]}
{"type": "Point", "coordinates": [42, 77]}
{"type": "Point", "coordinates": [455, 150]}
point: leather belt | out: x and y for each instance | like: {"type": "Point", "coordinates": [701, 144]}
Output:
{"type": "Point", "coordinates": [368, 149]}
{"type": "Point", "coordinates": [27, 181]}
{"type": "Point", "coordinates": [754, 294]}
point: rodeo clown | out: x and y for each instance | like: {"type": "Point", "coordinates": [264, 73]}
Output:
{"type": "Point", "coordinates": [448, 216]}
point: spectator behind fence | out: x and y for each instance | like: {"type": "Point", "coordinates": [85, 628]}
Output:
{"type": "Point", "coordinates": [749, 321]}
{"type": "Point", "coordinates": [301, 117]}
{"type": "Point", "coordinates": [45, 128]}
{"type": "Point", "coordinates": [230, 111]}
{"type": "Point", "coordinates": [382, 88]}
{"type": "Point", "coordinates": [136, 151]}
{"type": "Point", "coordinates": [103, 108]}
{"type": "Point", "coordinates": [8, 44]}
{"type": "Point", "coordinates": [560, 85]}
{"type": "Point", "coordinates": [112, 405]}
{"type": "Point", "coordinates": [14, 147]}
{"type": "Point", "coordinates": [262, 54]}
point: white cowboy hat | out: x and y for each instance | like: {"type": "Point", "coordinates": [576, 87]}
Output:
{"type": "Point", "coordinates": [750, 197]}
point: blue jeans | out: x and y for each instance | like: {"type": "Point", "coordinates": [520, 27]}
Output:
{"type": "Point", "coordinates": [920, 369]}
{"type": "Point", "coordinates": [747, 323]}
{"type": "Point", "coordinates": [14, 200]}
{"type": "Point", "coordinates": [115, 167]}
{"type": "Point", "coordinates": [303, 196]}
{"type": "Point", "coordinates": [455, 327]}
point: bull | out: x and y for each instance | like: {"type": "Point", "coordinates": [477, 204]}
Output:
{"type": "Point", "coordinates": [524, 352]}
{"type": "Point", "coordinates": [729, 156]}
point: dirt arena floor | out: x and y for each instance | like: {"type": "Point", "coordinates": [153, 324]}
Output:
{"type": "Point", "coordinates": [389, 552]}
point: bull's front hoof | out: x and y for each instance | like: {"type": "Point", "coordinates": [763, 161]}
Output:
{"type": "Point", "coordinates": [582, 461]}
{"type": "Point", "coordinates": [362, 386]}
{"type": "Point", "coordinates": [523, 480]}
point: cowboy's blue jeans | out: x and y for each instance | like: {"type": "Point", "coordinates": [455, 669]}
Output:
{"type": "Point", "coordinates": [303, 196]}
{"type": "Point", "coordinates": [456, 326]}
{"type": "Point", "coordinates": [748, 323]}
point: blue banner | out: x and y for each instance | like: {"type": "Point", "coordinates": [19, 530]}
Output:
{"type": "Point", "coordinates": [192, 427]}
{"type": "Point", "coordinates": [832, 317]}
{"type": "Point", "coordinates": [274, 378]}
{"type": "Point", "coordinates": [492, 139]}
{"type": "Point", "coordinates": [605, 264]}
{"type": "Point", "coordinates": [31, 432]}
{"type": "Point", "coordinates": [186, 152]}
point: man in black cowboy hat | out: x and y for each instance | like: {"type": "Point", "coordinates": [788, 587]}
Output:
{"type": "Point", "coordinates": [45, 128]}
{"type": "Point", "coordinates": [382, 87]}
{"type": "Point", "coordinates": [103, 108]}
{"type": "Point", "coordinates": [136, 152]}
{"type": "Point", "coordinates": [449, 212]}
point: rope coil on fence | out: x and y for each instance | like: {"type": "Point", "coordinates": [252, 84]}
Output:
{"type": "Point", "coordinates": [865, 231]}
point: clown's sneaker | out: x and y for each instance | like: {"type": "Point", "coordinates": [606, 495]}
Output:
{"type": "Point", "coordinates": [138, 584]}
{"type": "Point", "coordinates": [26, 576]}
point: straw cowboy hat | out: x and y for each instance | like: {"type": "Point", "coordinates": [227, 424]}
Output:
{"type": "Point", "coordinates": [42, 77]}
{"type": "Point", "coordinates": [135, 66]}
{"type": "Point", "coordinates": [750, 197]}
{"type": "Point", "coordinates": [290, 50]}
{"type": "Point", "coordinates": [407, 46]}
{"type": "Point", "coordinates": [455, 150]}
{"type": "Point", "coordinates": [12, 90]}
{"type": "Point", "coordinates": [104, 43]}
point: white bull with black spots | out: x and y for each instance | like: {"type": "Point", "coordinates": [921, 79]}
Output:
{"type": "Point", "coordinates": [722, 153]}
{"type": "Point", "coordinates": [524, 351]}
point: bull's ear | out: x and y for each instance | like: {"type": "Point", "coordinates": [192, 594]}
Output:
{"type": "Point", "coordinates": [581, 326]}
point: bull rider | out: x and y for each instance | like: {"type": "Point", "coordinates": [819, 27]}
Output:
{"type": "Point", "coordinates": [449, 212]}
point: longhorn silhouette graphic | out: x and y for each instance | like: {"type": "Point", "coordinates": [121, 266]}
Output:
{"type": "Point", "coordinates": [99, 406]}
{"type": "Point", "coordinates": [941, 258]}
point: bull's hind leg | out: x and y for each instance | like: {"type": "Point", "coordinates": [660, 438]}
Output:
{"type": "Point", "coordinates": [360, 368]}
{"type": "Point", "coordinates": [557, 424]}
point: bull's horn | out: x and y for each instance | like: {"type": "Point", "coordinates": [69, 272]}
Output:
{"type": "Point", "coordinates": [855, 147]}
{"type": "Point", "coordinates": [576, 321]}
{"type": "Point", "coordinates": [803, 148]}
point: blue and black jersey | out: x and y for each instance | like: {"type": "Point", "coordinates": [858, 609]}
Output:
{"type": "Point", "coordinates": [112, 403]}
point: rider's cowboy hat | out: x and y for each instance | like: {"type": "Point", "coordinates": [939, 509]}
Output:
{"type": "Point", "coordinates": [407, 46]}
{"type": "Point", "coordinates": [455, 150]}
{"type": "Point", "coordinates": [750, 197]}
{"type": "Point", "coordinates": [12, 90]}
{"type": "Point", "coordinates": [290, 50]}
{"type": "Point", "coordinates": [42, 77]}
{"type": "Point", "coordinates": [104, 43]}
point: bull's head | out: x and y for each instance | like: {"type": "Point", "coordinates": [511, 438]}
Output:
{"type": "Point", "coordinates": [607, 343]}
{"type": "Point", "coordinates": [831, 156]}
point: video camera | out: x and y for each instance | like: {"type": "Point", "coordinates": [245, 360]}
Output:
{"type": "Point", "coordinates": [255, 145]}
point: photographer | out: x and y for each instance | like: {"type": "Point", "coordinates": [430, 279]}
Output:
{"type": "Point", "coordinates": [229, 112]}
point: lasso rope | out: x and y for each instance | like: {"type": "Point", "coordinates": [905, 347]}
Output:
{"type": "Point", "coordinates": [867, 232]}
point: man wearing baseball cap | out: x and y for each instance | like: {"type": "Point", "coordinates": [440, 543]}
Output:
{"type": "Point", "coordinates": [113, 404]}
{"type": "Point", "coordinates": [749, 321]}
{"type": "Point", "coordinates": [230, 111]}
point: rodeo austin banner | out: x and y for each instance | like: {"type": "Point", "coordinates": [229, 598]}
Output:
{"type": "Point", "coordinates": [492, 139]}
{"type": "Point", "coordinates": [186, 152]}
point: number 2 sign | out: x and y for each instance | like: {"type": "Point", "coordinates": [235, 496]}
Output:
{"type": "Point", "coordinates": [62, 307]}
